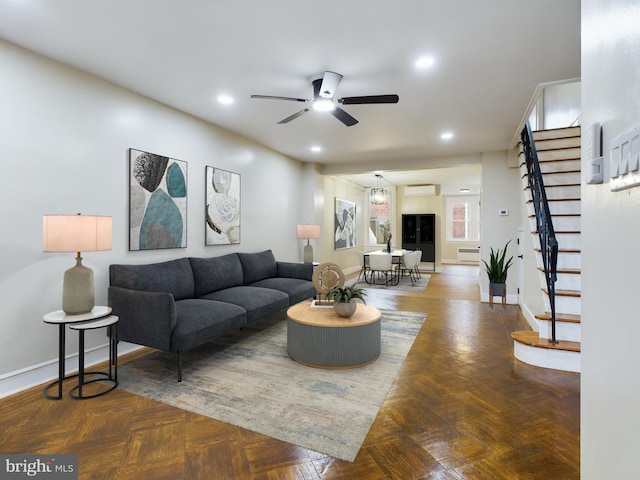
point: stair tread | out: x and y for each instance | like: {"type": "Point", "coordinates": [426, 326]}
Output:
{"type": "Point", "coordinates": [572, 271]}
{"type": "Point", "coordinates": [561, 172]}
{"type": "Point", "coordinates": [565, 199]}
{"type": "Point", "coordinates": [561, 215]}
{"type": "Point", "coordinates": [564, 293]}
{"type": "Point", "coordinates": [533, 339]}
{"type": "Point", "coordinates": [560, 317]}
{"type": "Point", "coordinates": [562, 250]}
{"type": "Point", "coordinates": [564, 232]}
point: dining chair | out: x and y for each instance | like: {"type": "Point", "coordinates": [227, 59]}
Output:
{"type": "Point", "coordinates": [410, 263]}
{"type": "Point", "coordinates": [364, 265]}
{"type": "Point", "coordinates": [382, 264]}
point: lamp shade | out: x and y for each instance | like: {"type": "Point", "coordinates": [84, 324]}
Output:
{"type": "Point", "coordinates": [76, 233]}
{"type": "Point", "coordinates": [308, 231]}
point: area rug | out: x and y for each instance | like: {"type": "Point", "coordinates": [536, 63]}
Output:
{"type": "Point", "coordinates": [404, 284]}
{"type": "Point", "coordinates": [247, 379]}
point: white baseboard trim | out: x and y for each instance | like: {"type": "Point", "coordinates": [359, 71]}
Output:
{"type": "Point", "coordinates": [530, 317]}
{"type": "Point", "coordinates": [34, 375]}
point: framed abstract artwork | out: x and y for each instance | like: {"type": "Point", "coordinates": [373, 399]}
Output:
{"type": "Point", "coordinates": [222, 207]}
{"type": "Point", "coordinates": [157, 201]}
{"type": "Point", "coordinates": [345, 224]}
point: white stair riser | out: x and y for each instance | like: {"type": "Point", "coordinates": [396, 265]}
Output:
{"type": "Point", "coordinates": [565, 260]}
{"type": "Point", "coordinates": [560, 192]}
{"type": "Point", "coordinates": [566, 281]}
{"type": "Point", "coordinates": [540, 135]}
{"type": "Point", "coordinates": [559, 208]}
{"type": "Point", "coordinates": [564, 304]}
{"type": "Point", "coordinates": [572, 165]}
{"type": "Point", "coordinates": [563, 154]}
{"type": "Point", "coordinates": [556, 179]}
{"type": "Point", "coordinates": [564, 330]}
{"type": "Point", "coordinates": [547, 358]}
{"type": "Point", "coordinates": [560, 223]}
{"type": "Point", "coordinates": [555, 143]}
{"type": "Point", "coordinates": [566, 241]}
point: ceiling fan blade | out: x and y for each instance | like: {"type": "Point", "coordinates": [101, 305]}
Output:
{"type": "Point", "coordinates": [294, 116]}
{"type": "Point", "coordinates": [272, 97]}
{"type": "Point", "coordinates": [344, 117]}
{"type": "Point", "coordinates": [369, 99]}
{"type": "Point", "coordinates": [330, 82]}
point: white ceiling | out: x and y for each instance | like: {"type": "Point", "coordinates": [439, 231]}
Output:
{"type": "Point", "coordinates": [489, 57]}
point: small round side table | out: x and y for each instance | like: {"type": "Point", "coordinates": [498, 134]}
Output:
{"type": "Point", "coordinates": [62, 319]}
{"type": "Point", "coordinates": [111, 322]}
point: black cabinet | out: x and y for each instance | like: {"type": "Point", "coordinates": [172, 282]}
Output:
{"type": "Point", "coordinates": [419, 233]}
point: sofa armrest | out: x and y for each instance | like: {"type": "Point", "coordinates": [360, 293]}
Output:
{"type": "Point", "coordinates": [303, 271]}
{"type": "Point", "coordinates": [146, 318]}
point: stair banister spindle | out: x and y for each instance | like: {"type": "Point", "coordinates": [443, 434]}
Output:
{"type": "Point", "coordinates": [544, 223]}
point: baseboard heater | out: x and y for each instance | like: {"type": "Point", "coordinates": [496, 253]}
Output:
{"type": "Point", "coordinates": [468, 255]}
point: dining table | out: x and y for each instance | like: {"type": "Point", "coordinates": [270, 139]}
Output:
{"type": "Point", "coordinates": [396, 258]}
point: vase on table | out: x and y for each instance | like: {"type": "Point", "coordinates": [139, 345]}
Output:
{"type": "Point", "coordinates": [344, 309]}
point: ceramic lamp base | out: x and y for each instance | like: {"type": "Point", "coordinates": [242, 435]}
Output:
{"type": "Point", "coordinates": [308, 253]}
{"type": "Point", "coordinates": [77, 292]}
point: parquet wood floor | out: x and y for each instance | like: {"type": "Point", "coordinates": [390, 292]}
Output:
{"type": "Point", "coordinates": [461, 408]}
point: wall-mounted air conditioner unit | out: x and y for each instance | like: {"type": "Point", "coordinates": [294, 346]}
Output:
{"type": "Point", "coordinates": [468, 255]}
{"type": "Point", "coordinates": [424, 190]}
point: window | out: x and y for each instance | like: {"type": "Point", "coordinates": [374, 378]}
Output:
{"type": "Point", "coordinates": [460, 221]}
{"type": "Point", "coordinates": [379, 223]}
{"type": "Point", "coordinates": [463, 221]}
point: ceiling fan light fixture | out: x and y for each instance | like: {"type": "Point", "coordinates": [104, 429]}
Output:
{"type": "Point", "coordinates": [324, 105]}
{"type": "Point", "coordinates": [425, 62]}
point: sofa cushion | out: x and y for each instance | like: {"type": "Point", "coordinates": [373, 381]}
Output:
{"type": "Point", "coordinates": [216, 273]}
{"type": "Point", "coordinates": [258, 266]}
{"type": "Point", "coordinates": [258, 302]}
{"type": "Point", "coordinates": [297, 290]}
{"type": "Point", "coordinates": [174, 277]}
{"type": "Point", "coordinates": [200, 320]}
{"type": "Point", "coordinates": [303, 271]}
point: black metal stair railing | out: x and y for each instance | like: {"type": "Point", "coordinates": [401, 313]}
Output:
{"type": "Point", "coordinates": [544, 223]}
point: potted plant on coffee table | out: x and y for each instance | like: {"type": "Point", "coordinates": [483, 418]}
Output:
{"type": "Point", "coordinates": [343, 298]}
{"type": "Point", "coordinates": [497, 269]}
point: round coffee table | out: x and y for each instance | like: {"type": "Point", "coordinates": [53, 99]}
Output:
{"type": "Point", "coordinates": [317, 337]}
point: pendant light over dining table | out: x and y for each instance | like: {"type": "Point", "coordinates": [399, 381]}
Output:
{"type": "Point", "coordinates": [379, 195]}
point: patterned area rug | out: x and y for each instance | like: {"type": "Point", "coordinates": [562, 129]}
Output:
{"type": "Point", "coordinates": [404, 284]}
{"type": "Point", "coordinates": [248, 380]}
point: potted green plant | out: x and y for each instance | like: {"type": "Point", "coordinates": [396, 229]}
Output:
{"type": "Point", "coordinates": [343, 297]}
{"type": "Point", "coordinates": [497, 269]}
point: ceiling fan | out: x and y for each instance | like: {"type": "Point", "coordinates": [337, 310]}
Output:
{"type": "Point", "coordinates": [324, 89]}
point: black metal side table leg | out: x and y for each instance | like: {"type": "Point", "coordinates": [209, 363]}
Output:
{"type": "Point", "coordinates": [61, 366]}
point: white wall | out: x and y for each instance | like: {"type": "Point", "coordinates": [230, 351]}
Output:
{"type": "Point", "coordinates": [346, 258]}
{"type": "Point", "coordinates": [610, 232]}
{"type": "Point", "coordinates": [501, 189]}
{"type": "Point", "coordinates": [64, 147]}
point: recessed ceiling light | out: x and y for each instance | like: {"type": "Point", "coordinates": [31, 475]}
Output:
{"type": "Point", "coordinates": [225, 99]}
{"type": "Point", "coordinates": [446, 136]}
{"type": "Point", "coordinates": [316, 148]}
{"type": "Point", "coordinates": [425, 62]}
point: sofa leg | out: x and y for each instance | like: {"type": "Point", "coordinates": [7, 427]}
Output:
{"type": "Point", "coordinates": [179, 366]}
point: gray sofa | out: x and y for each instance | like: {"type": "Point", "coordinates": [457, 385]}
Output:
{"type": "Point", "coordinates": [180, 304]}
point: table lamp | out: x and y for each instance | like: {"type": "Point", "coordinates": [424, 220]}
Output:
{"type": "Point", "coordinates": [308, 232]}
{"type": "Point", "coordinates": [76, 233]}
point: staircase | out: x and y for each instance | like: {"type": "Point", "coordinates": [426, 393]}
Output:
{"type": "Point", "coordinates": [559, 157]}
